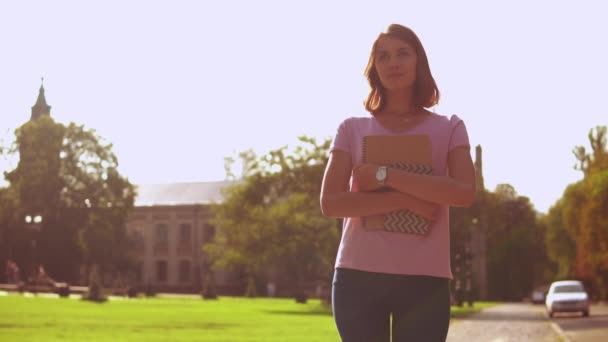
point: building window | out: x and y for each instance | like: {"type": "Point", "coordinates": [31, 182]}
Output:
{"type": "Point", "coordinates": [162, 237]}
{"type": "Point", "coordinates": [162, 233]}
{"type": "Point", "coordinates": [184, 233]}
{"type": "Point", "coordinates": [184, 271]}
{"type": "Point", "coordinates": [161, 270]}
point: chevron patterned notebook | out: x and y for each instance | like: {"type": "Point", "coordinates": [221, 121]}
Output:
{"type": "Point", "coordinates": [407, 152]}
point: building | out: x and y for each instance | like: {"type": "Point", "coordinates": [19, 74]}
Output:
{"type": "Point", "coordinates": [170, 223]}
{"type": "Point", "coordinates": [40, 108]}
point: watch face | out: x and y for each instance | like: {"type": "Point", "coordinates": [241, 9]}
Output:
{"type": "Point", "coordinates": [381, 174]}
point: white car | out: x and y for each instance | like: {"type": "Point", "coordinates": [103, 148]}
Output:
{"type": "Point", "coordinates": [567, 296]}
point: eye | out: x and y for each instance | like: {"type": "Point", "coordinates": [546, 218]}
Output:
{"type": "Point", "coordinates": [382, 57]}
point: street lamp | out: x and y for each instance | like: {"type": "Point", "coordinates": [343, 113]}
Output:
{"type": "Point", "coordinates": [33, 223]}
{"type": "Point", "coordinates": [471, 249]}
{"type": "Point", "coordinates": [468, 274]}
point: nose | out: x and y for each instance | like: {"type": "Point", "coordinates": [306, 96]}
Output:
{"type": "Point", "coordinates": [394, 62]}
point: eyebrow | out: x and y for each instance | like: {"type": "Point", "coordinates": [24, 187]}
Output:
{"type": "Point", "coordinates": [403, 48]}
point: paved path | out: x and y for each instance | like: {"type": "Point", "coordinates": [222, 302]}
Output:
{"type": "Point", "coordinates": [515, 322]}
{"type": "Point", "coordinates": [585, 329]}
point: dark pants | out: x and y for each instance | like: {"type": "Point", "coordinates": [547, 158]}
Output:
{"type": "Point", "coordinates": [364, 301]}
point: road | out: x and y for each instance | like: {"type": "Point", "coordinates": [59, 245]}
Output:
{"type": "Point", "coordinates": [510, 322]}
{"type": "Point", "coordinates": [585, 329]}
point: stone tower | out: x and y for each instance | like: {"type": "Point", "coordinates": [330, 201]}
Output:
{"type": "Point", "coordinates": [41, 107]}
{"type": "Point", "coordinates": [479, 169]}
{"type": "Point", "coordinates": [478, 236]}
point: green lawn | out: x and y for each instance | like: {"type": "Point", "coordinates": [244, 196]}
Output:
{"type": "Point", "coordinates": [168, 319]}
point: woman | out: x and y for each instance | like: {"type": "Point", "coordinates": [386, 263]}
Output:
{"type": "Point", "coordinates": [382, 273]}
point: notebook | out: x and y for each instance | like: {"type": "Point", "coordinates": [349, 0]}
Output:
{"type": "Point", "coordinates": [407, 152]}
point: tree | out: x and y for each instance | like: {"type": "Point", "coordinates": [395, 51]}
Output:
{"type": "Point", "coordinates": [99, 197]}
{"type": "Point", "coordinates": [594, 231]}
{"type": "Point", "coordinates": [515, 246]}
{"type": "Point", "coordinates": [271, 220]}
{"type": "Point", "coordinates": [560, 244]}
{"type": "Point", "coordinates": [589, 217]}
{"type": "Point", "coordinates": [597, 160]}
{"type": "Point", "coordinates": [577, 229]}
{"type": "Point", "coordinates": [37, 176]}
{"type": "Point", "coordinates": [36, 184]}
{"type": "Point", "coordinates": [8, 231]}
{"type": "Point", "coordinates": [69, 177]}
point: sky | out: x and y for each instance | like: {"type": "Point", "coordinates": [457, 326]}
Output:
{"type": "Point", "coordinates": [177, 86]}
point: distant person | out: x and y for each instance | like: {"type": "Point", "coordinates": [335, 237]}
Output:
{"type": "Point", "coordinates": [403, 274]}
{"type": "Point", "coordinates": [42, 277]}
{"type": "Point", "coordinates": [16, 273]}
{"type": "Point", "coordinates": [271, 289]}
{"type": "Point", "coordinates": [12, 272]}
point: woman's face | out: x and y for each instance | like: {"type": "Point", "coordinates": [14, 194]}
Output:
{"type": "Point", "coordinates": [395, 62]}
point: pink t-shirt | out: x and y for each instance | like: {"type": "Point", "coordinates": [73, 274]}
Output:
{"type": "Point", "coordinates": [400, 253]}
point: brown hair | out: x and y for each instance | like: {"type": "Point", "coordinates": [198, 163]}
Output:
{"type": "Point", "coordinates": [426, 93]}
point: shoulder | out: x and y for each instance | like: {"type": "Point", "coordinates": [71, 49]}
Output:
{"type": "Point", "coordinates": [357, 121]}
{"type": "Point", "coordinates": [355, 124]}
{"type": "Point", "coordinates": [350, 131]}
{"type": "Point", "coordinates": [452, 120]}
{"type": "Point", "coordinates": [453, 129]}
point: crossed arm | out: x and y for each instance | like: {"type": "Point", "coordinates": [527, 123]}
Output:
{"type": "Point", "coordinates": [419, 193]}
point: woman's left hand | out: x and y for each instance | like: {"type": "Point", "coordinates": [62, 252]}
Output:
{"type": "Point", "coordinates": [364, 177]}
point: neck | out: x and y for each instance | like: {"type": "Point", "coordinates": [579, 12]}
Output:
{"type": "Point", "coordinates": [398, 101]}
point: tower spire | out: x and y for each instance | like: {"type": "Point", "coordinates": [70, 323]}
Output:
{"type": "Point", "coordinates": [479, 169]}
{"type": "Point", "coordinates": [41, 107]}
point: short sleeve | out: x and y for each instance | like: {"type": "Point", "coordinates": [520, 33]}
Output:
{"type": "Point", "coordinates": [342, 139]}
{"type": "Point", "coordinates": [458, 136]}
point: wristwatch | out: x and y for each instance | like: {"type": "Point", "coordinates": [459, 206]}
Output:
{"type": "Point", "coordinates": [381, 174]}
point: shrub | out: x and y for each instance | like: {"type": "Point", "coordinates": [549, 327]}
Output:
{"type": "Point", "coordinates": [150, 291]}
{"type": "Point", "coordinates": [132, 292]}
{"type": "Point", "coordinates": [62, 289]}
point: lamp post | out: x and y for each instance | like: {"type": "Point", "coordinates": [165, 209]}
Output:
{"type": "Point", "coordinates": [468, 273]}
{"type": "Point", "coordinates": [34, 224]}
{"type": "Point", "coordinates": [471, 248]}
{"type": "Point", "coordinates": [458, 288]}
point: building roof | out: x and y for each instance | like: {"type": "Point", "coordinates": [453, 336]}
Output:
{"type": "Point", "coordinates": [180, 193]}
{"type": "Point", "coordinates": [40, 107]}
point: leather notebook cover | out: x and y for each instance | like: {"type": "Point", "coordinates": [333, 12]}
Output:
{"type": "Point", "coordinates": [407, 152]}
